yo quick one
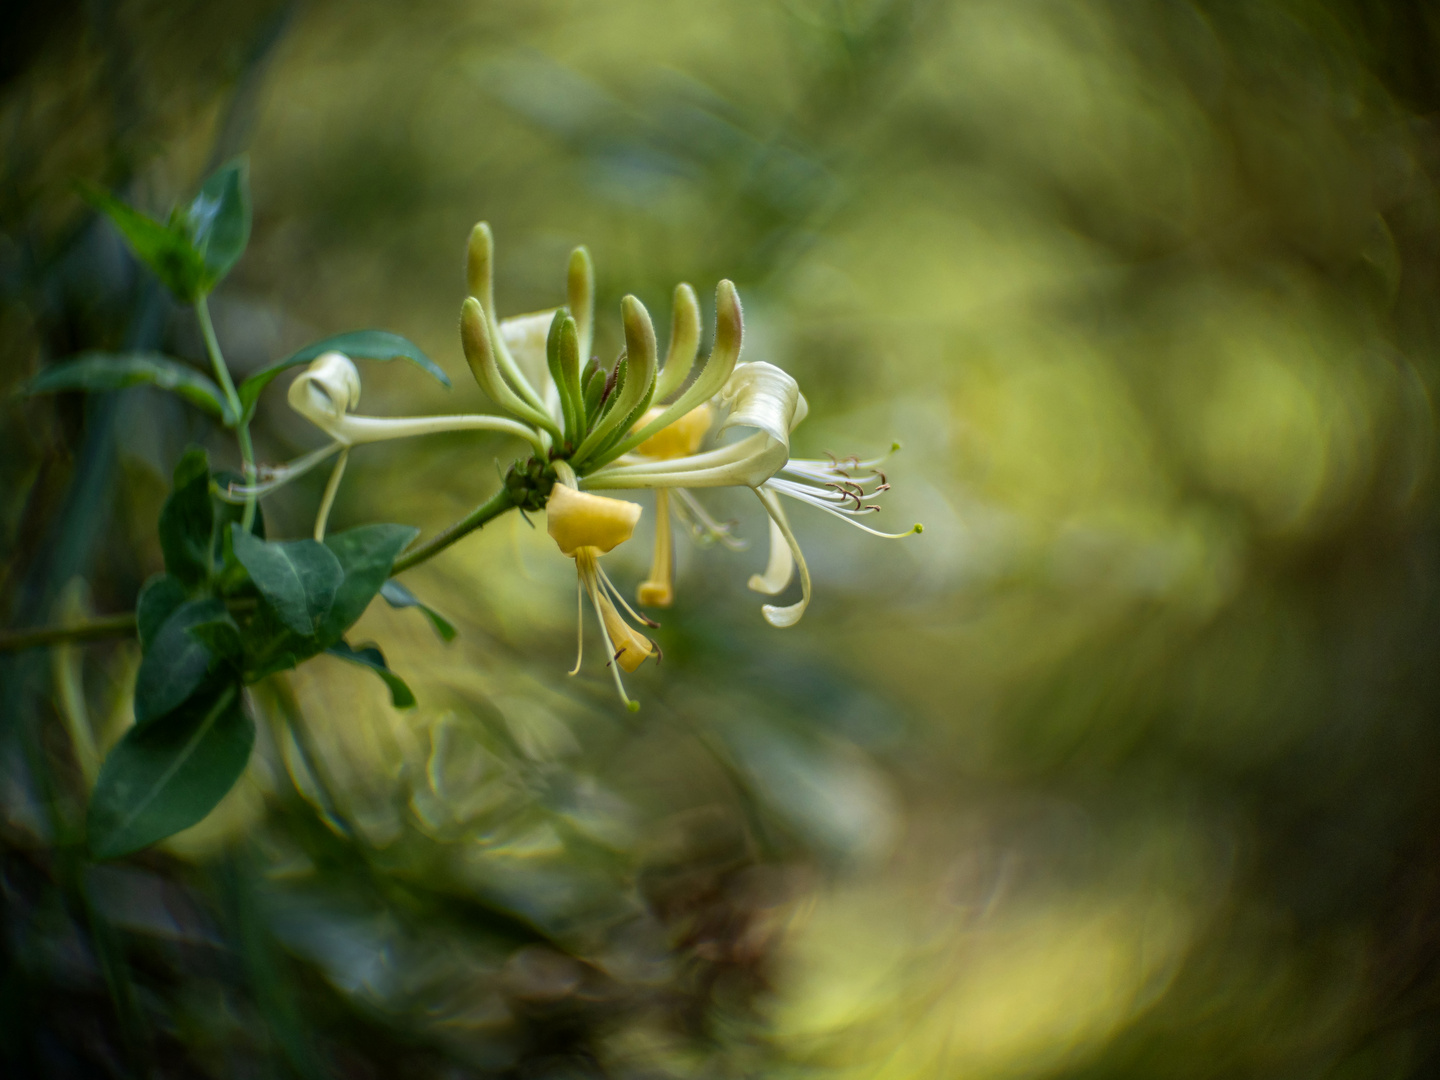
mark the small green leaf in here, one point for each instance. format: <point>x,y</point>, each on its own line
<point>165,248</point>
<point>297,578</point>
<point>179,665</point>
<point>187,535</point>
<point>116,371</point>
<point>364,344</point>
<point>398,596</point>
<point>218,221</point>
<point>366,553</point>
<point>371,657</point>
<point>159,598</point>
<point>166,777</point>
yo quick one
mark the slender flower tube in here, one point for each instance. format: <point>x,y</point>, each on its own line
<point>584,527</point>
<point>678,439</point>
<point>325,393</point>
<point>329,388</point>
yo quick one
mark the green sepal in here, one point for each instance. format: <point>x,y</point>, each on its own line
<point>562,356</point>
<point>624,429</point>
<point>167,776</point>
<point>594,388</point>
<point>362,344</point>
<point>99,371</point>
<point>369,656</point>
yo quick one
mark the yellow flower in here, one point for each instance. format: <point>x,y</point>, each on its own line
<point>678,439</point>
<point>584,527</point>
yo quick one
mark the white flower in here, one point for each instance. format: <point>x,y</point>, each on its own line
<point>765,398</point>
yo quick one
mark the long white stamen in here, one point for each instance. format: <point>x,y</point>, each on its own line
<point>846,516</point>
<point>702,525</point>
<point>579,625</point>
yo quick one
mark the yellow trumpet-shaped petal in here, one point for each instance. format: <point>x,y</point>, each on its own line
<point>658,590</point>
<point>577,519</point>
<point>632,648</point>
<point>679,439</point>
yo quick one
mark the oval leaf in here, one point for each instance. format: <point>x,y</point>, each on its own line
<point>366,553</point>
<point>364,344</point>
<point>187,523</point>
<point>178,664</point>
<point>218,221</point>
<point>298,579</point>
<point>159,598</point>
<point>166,777</point>
<point>116,371</point>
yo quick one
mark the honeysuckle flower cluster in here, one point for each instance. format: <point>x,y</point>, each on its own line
<point>636,424</point>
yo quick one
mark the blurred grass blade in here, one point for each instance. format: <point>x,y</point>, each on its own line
<point>116,371</point>
<point>365,344</point>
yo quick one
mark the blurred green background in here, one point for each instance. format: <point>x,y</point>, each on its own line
<point>1125,768</point>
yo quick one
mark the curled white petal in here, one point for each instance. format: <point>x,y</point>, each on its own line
<point>774,614</point>
<point>759,396</point>
<point>779,569</point>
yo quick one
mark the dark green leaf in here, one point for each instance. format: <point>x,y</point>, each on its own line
<point>178,665</point>
<point>297,578</point>
<point>218,221</point>
<point>187,523</point>
<point>366,553</point>
<point>271,646</point>
<point>159,598</point>
<point>398,596</point>
<point>371,657</point>
<point>116,371</point>
<point>221,636</point>
<point>165,248</point>
<point>365,344</point>
<point>166,777</point>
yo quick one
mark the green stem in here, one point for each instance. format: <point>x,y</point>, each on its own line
<point>242,425</point>
<point>482,515</point>
<point>96,629</point>
<point>105,626</point>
